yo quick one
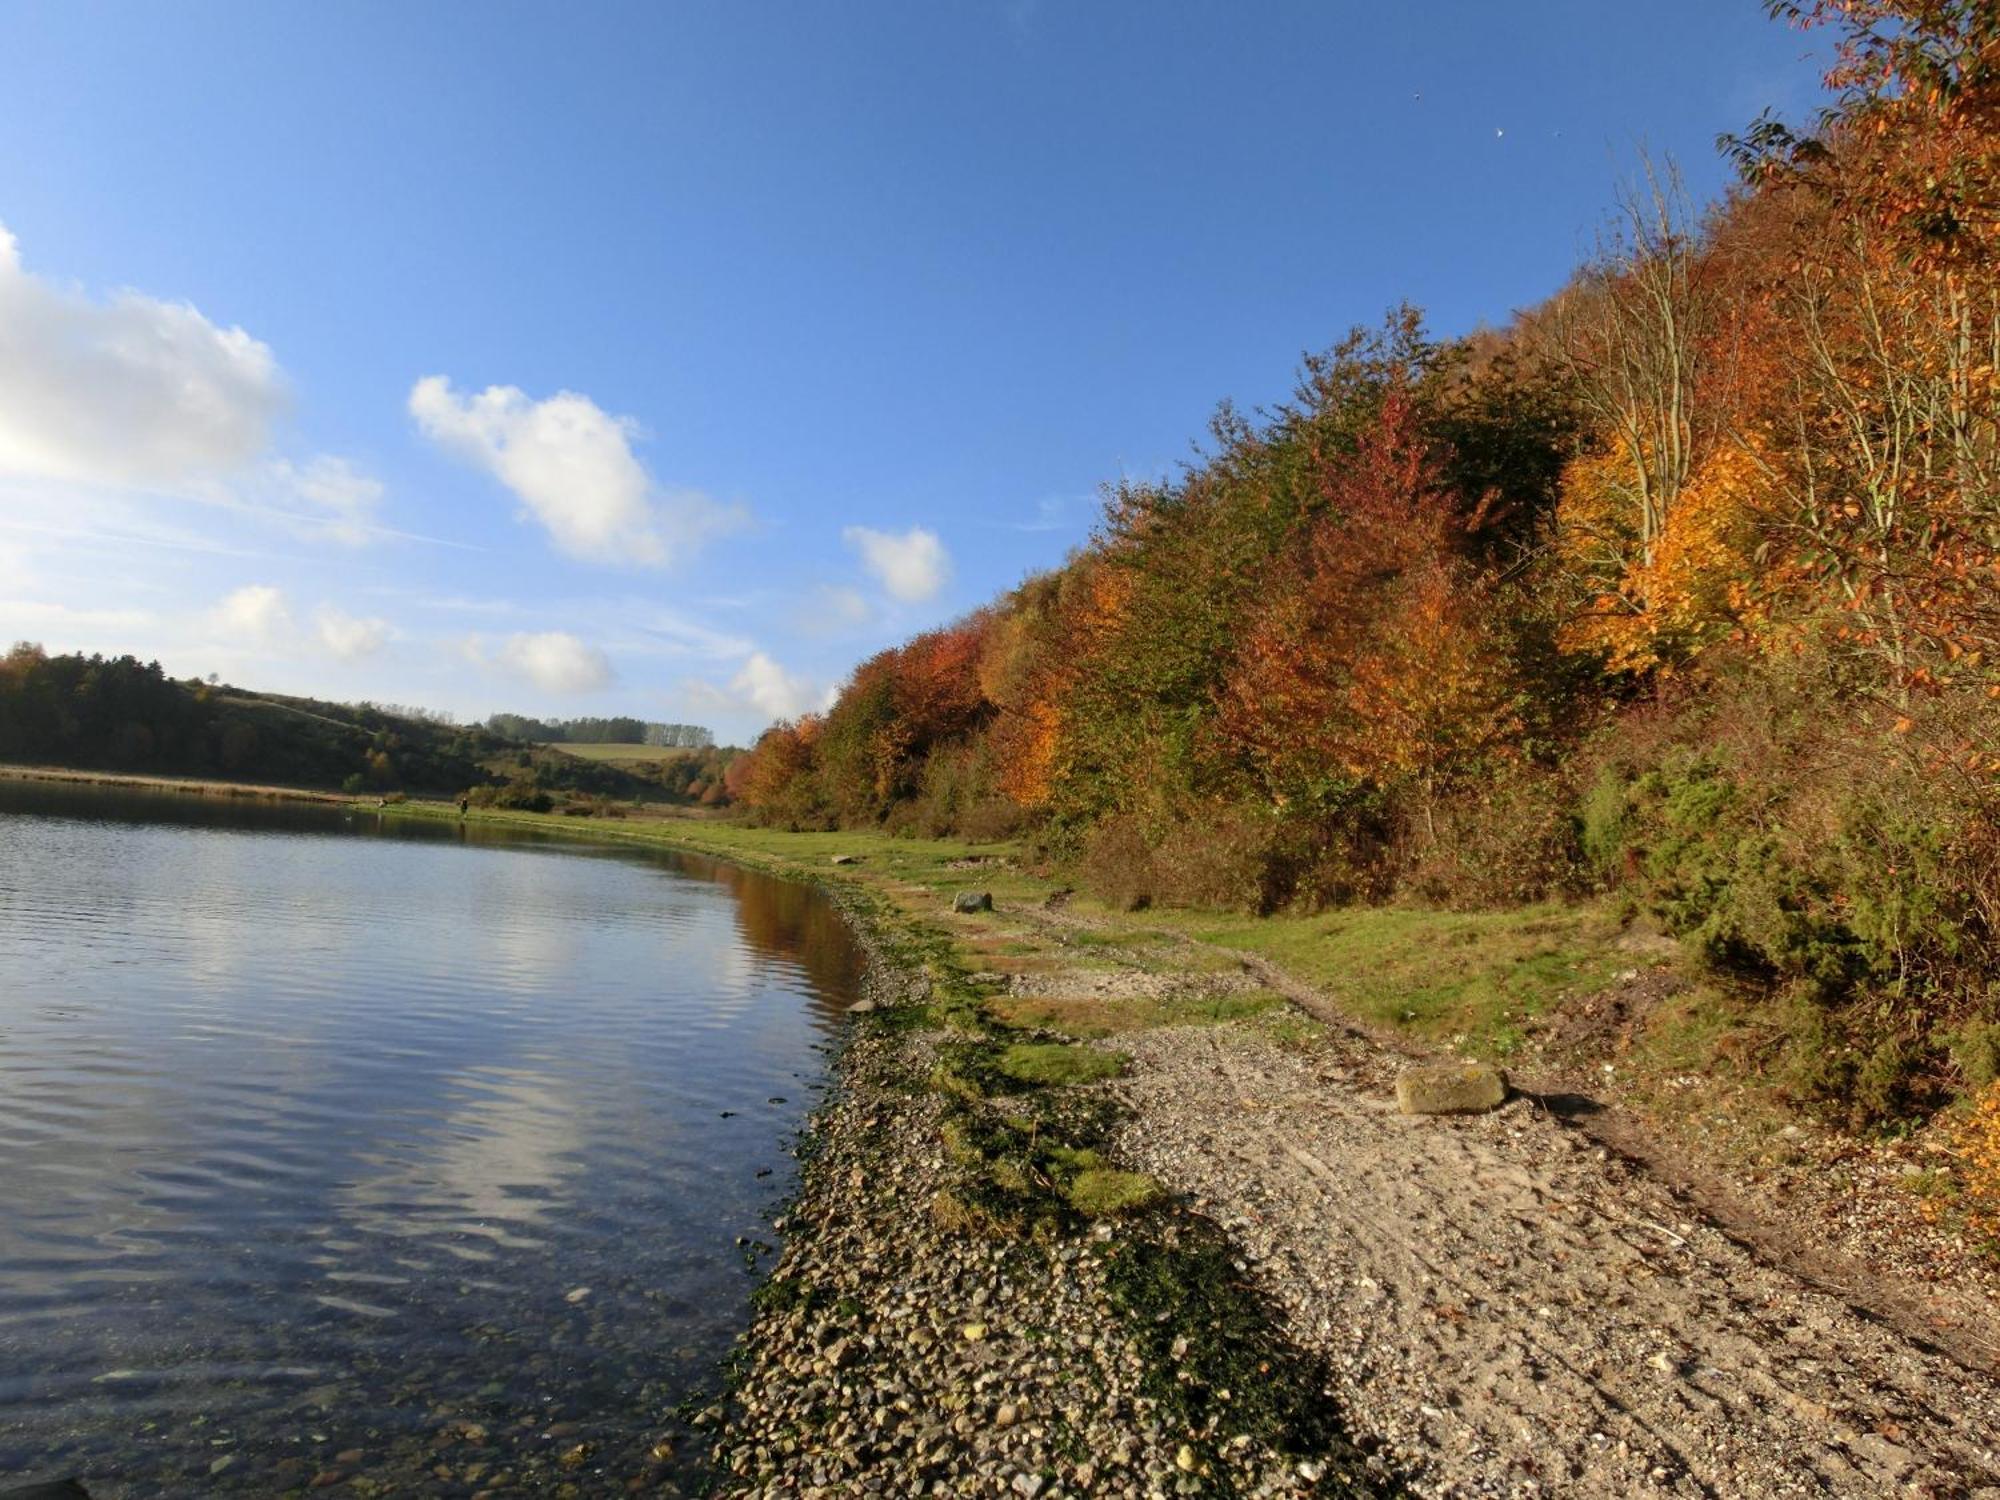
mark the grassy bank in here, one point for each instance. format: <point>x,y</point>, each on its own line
<point>188,785</point>
<point>1480,980</point>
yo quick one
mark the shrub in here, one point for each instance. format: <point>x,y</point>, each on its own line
<point>1975,1050</point>
<point>1219,857</point>
<point>1974,1143</point>
<point>1117,864</point>
<point>1510,841</point>
<point>521,794</point>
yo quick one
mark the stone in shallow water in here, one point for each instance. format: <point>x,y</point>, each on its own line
<point>1459,1088</point>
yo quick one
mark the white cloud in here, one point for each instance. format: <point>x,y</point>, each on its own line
<point>832,609</point>
<point>254,615</point>
<point>27,616</point>
<point>571,463</point>
<point>911,567</point>
<point>350,637</point>
<point>1052,513</point>
<point>770,689</point>
<point>761,687</point>
<point>341,500</point>
<point>127,391</point>
<point>556,661</point>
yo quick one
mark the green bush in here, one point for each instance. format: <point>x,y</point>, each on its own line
<point>1974,1047</point>
<point>522,794</point>
<point>1602,824</point>
<point>1832,867</point>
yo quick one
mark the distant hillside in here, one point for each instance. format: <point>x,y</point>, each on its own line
<point>122,714</point>
<point>119,713</point>
<point>612,731</point>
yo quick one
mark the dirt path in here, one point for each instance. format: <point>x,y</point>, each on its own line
<point>1514,1311</point>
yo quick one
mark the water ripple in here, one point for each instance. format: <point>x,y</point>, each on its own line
<point>312,1121</point>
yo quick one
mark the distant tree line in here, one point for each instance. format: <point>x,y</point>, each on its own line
<point>442,717</point>
<point>119,713</point>
<point>612,731</point>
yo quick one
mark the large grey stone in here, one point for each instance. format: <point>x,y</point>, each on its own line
<point>1457,1088</point>
<point>970,901</point>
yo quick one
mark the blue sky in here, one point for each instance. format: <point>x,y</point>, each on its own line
<point>668,359</point>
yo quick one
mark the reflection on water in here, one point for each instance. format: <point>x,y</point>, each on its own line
<point>409,1150</point>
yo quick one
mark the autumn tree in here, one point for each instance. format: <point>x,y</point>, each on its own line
<point>1362,654</point>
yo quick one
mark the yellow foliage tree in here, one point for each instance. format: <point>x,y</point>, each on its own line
<point>1654,604</point>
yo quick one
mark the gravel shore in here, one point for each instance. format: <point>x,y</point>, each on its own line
<point>898,1352</point>
<point>1332,1299</point>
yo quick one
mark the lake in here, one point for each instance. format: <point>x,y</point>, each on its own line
<point>433,1155</point>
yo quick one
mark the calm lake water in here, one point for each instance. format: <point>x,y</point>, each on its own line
<point>415,1151</point>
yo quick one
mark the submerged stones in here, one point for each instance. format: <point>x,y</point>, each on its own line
<point>1456,1088</point>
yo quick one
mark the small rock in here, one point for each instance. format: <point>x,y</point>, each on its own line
<point>973,1332</point>
<point>1458,1088</point>
<point>972,901</point>
<point>1185,1459</point>
<point>577,1295</point>
<point>847,859</point>
<point>862,1008</point>
<point>1007,1416</point>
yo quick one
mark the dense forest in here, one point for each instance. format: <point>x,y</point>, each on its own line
<point>121,714</point>
<point>1685,585</point>
<point>613,731</point>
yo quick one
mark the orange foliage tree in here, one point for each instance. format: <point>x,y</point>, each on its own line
<point>1372,660</point>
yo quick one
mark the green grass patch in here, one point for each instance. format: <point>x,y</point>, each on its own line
<point>1055,1064</point>
<point>616,753</point>
<point>1100,1192</point>
<point>1484,976</point>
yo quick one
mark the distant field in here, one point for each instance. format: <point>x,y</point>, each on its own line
<point>622,752</point>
